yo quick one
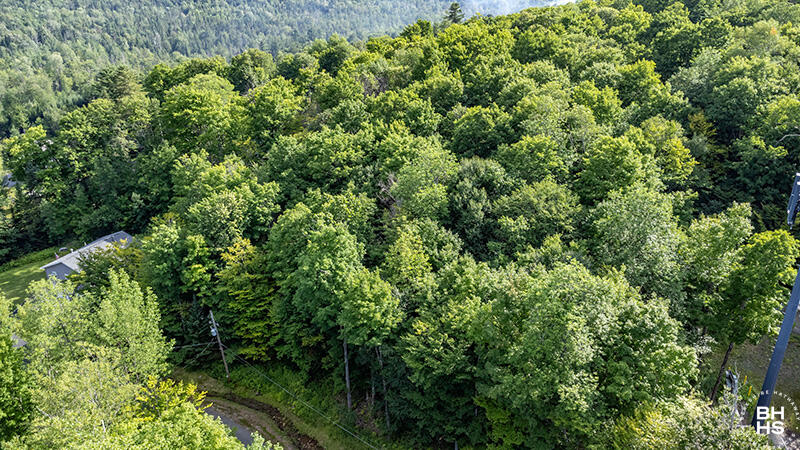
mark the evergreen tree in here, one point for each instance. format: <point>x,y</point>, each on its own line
<point>454,13</point>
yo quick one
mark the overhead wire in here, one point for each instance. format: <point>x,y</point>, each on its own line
<point>303,402</point>
<point>198,354</point>
<point>190,345</point>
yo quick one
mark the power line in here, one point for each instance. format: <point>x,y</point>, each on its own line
<point>198,354</point>
<point>306,404</point>
<point>190,345</point>
<point>215,333</point>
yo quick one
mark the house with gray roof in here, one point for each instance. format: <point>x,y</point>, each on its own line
<point>70,262</point>
<point>7,182</point>
<point>17,342</point>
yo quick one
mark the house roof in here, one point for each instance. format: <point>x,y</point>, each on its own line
<point>17,342</point>
<point>72,259</point>
<point>7,182</point>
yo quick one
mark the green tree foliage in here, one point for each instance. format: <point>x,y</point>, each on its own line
<point>183,426</point>
<point>472,199</point>
<point>316,256</point>
<point>604,103</point>
<point>461,43</point>
<point>738,296</point>
<point>16,407</point>
<point>662,140</point>
<point>331,54</point>
<point>250,293</point>
<point>93,157</point>
<point>683,423</point>
<point>712,251</point>
<point>736,280</point>
<point>675,38</point>
<point>421,187</point>
<point>510,231</point>
<point>60,324</point>
<point>407,108</point>
<point>273,110</point>
<point>636,229</point>
<point>204,113</point>
<point>15,397</point>
<point>611,164</point>
<point>369,311</point>
<point>408,267</point>
<point>128,321</point>
<point>330,160</point>
<point>480,131</point>
<point>454,13</point>
<point>46,73</point>
<point>441,357</point>
<point>250,69</point>
<point>96,266</point>
<point>533,159</point>
<point>93,361</point>
<point>530,214</point>
<point>549,376</point>
<point>757,289</point>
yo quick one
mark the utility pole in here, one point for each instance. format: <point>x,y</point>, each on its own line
<point>771,379</point>
<point>347,376</point>
<point>215,333</point>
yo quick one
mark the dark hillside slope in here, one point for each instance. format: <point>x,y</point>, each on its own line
<point>119,29</point>
<point>50,49</point>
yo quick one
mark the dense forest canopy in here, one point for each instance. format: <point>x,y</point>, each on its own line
<point>517,231</point>
<point>51,49</point>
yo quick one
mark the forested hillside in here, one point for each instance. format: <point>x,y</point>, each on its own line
<point>522,231</point>
<point>51,49</point>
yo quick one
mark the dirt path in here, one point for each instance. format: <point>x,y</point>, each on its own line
<point>264,418</point>
<point>248,415</point>
<point>242,433</point>
<point>246,420</point>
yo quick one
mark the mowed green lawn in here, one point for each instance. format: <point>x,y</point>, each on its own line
<point>14,282</point>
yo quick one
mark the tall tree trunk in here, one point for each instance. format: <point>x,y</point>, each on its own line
<point>719,374</point>
<point>701,358</point>
<point>383,379</point>
<point>372,384</point>
<point>347,376</point>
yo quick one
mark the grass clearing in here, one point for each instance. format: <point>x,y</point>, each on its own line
<point>14,281</point>
<point>16,275</point>
<point>751,361</point>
